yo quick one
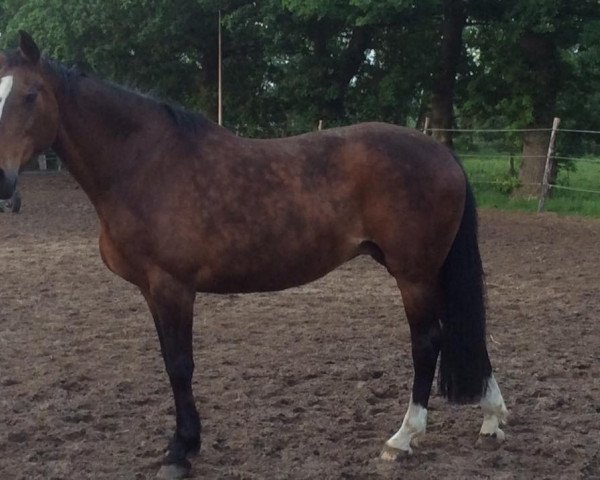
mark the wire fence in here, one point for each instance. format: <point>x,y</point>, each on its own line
<point>562,167</point>
<point>500,130</point>
<point>488,130</point>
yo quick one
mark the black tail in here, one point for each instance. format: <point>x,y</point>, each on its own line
<point>464,362</point>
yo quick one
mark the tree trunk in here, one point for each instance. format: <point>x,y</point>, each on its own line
<point>342,69</point>
<point>442,98</point>
<point>535,147</point>
<point>542,60</point>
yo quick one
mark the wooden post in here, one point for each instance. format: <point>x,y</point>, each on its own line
<point>549,165</point>
<point>320,126</point>
<point>220,100</point>
<point>42,164</point>
<point>426,126</point>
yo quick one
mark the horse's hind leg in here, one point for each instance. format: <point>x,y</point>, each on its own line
<point>171,305</point>
<point>421,305</point>
<point>494,414</point>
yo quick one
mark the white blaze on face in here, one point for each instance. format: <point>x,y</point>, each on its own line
<point>6,84</point>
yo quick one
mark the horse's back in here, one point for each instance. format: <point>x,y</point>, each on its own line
<point>398,153</point>
<point>397,163</point>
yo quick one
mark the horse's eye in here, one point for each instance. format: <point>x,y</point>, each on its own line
<point>30,97</point>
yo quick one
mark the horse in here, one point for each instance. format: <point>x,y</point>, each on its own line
<point>187,206</point>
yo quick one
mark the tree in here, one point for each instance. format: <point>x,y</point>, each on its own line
<point>521,72</point>
<point>453,22</point>
<point>159,46</point>
<point>289,63</point>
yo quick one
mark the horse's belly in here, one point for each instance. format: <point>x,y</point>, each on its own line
<point>264,273</point>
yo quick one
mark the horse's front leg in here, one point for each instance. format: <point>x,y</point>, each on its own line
<point>171,304</point>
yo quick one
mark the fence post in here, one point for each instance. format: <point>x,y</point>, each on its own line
<point>42,164</point>
<point>426,126</point>
<point>320,126</point>
<point>220,74</point>
<point>548,169</point>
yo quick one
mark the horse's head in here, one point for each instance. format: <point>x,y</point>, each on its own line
<point>28,111</point>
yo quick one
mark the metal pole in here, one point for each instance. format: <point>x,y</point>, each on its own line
<point>220,100</point>
<point>549,164</point>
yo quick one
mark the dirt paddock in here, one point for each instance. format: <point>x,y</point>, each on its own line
<point>302,384</point>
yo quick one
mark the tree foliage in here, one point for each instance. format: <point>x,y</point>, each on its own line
<point>290,63</point>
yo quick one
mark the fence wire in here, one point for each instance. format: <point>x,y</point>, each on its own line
<point>511,130</point>
<point>477,180</point>
<point>516,156</point>
<point>569,130</point>
<point>488,130</point>
<point>573,189</point>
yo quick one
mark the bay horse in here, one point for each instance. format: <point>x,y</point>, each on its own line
<point>186,206</point>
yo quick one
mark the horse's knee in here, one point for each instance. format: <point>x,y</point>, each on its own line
<point>180,367</point>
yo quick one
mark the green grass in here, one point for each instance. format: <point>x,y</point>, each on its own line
<point>493,183</point>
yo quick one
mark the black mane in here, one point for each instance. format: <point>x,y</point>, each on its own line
<point>70,77</point>
<point>190,122</point>
<point>14,58</point>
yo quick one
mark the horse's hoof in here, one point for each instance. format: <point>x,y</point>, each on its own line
<point>173,472</point>
<point>391,454</point>
<point>490,441</point>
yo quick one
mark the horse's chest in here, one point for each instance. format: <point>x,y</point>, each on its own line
<point>119,261</point>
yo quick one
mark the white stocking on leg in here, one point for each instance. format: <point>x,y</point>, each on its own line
<point>494,412</point>
<point>413,426</point>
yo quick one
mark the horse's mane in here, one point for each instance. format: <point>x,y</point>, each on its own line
<point>13,58</point>
<point>187,122</point>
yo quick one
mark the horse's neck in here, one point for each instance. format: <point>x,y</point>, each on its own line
<point>96,134</point>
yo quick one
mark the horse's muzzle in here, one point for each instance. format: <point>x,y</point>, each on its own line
<point>8,183</point>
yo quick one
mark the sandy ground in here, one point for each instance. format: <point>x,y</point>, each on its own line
<point>302,384</point>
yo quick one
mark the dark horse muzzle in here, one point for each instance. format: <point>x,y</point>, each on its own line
<point>8,183</point>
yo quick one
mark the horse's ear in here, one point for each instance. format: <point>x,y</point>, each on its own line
<point>29,50</point>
